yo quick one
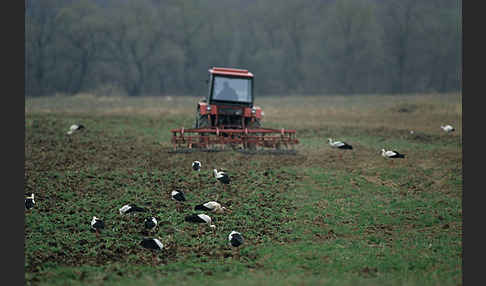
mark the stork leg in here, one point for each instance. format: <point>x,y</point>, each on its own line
<point>199,230</point>
<point>154,260</point>
<point>228,188</point>
<point>236,253</point>
<point>199,180</point>
<point>220,194</point>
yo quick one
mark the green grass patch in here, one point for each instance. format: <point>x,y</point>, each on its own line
<point>316,218</point>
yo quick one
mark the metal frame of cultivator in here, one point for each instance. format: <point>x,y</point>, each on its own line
<point>259,140</point>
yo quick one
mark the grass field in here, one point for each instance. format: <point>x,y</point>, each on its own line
<point>307,219</point>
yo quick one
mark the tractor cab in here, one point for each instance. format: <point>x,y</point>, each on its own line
<point>230,101</point>
<point>230,86</point>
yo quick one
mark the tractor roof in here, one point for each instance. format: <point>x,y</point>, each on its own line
<point>231,72</point>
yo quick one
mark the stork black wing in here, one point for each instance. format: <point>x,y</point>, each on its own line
<point>194,218</point>
<point>398,155</point>
<point>346,146</point>
<point>180,197</point>
<point>201,207</point>
<point>149,243</point>
<point>134,208</point>
<point>29,203</point>
<point>99,224</point>
<point>149,223</point>
<point>225,179</point>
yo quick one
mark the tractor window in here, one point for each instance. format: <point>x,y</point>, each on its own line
<point>232,89</point>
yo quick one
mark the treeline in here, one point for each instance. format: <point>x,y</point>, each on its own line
<point>150,47</point>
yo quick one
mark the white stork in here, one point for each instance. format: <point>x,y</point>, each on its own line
<point>210,207</point>
<point>235,240</point>
<point>200,218</point>
<point>29,201</point>
<point>97,225</point>
<point>150,223</point>
<point>339,145</point>
<point>178,196</point>
<point>447,128</point>
<point>392,154</point>
<point>74,128</point>
<point>153,244</point>
<point>196,166</point>
<point>222,177</point>
<point>131,208</point>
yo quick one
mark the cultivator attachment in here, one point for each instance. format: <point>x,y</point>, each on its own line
<point>260,140</point>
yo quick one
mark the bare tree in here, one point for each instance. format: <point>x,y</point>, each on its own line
<point>40,32</point>
<point>81,33</point>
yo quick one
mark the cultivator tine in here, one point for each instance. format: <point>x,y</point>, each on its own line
<point>250,141</point>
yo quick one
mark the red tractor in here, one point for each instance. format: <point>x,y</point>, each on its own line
<point>227,117</point>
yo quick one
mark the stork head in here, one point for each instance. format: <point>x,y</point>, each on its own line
<point>212,226</point>
<point>215,172</point>
<point>220,210</point>
<point>329,140</point>
<point>226,210</point>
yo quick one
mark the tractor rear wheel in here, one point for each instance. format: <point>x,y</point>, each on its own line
<point>253,125</point>
<point>202,121</point>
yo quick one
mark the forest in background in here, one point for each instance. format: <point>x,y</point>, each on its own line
<point>159,47</point>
